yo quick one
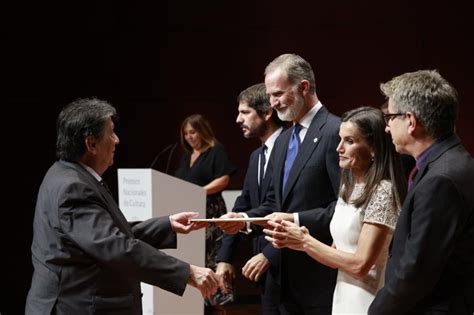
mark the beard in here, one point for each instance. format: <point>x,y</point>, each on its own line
<point>255,132</point>
<point>291,112</point>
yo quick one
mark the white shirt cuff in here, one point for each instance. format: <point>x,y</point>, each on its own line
<point>296,218</point>
<point>247,230</point>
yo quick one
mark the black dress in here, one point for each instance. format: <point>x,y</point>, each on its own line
<point>208,166</point>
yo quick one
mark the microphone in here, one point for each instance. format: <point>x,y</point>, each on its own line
<point>168,147</point>
<point>169,157</point>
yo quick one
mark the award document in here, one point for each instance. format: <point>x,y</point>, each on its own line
<point>216,220</point>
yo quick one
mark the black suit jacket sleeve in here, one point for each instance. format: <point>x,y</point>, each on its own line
<point>155,231</point>
<point>271,253</point>
<point>317,220</point>
<point>227,249</point>
<point>242,203</point>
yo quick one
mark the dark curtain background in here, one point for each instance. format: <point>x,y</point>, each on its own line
<point>159,62</point>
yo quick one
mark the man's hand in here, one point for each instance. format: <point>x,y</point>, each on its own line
<point>231,227</point>
<point>275,217</point>
<point>203,279</point>
<point>255,267</point>
<point>280,216</point>
<point>226,274</point>
<point>180,222</point>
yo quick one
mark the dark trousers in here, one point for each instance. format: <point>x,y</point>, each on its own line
<point>270,296</point>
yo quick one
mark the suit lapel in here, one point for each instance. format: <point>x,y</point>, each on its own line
<point>112,206</point>
<point>278,158</point>
<point>114,210</point>
<point>264,185</point>
<point>309,144</point>
<point>253,182</point>
<point>447,145</point>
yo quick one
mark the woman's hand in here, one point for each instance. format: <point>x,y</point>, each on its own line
<point>287,234</point>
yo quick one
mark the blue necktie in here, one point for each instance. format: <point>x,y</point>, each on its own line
<point>292,151</point>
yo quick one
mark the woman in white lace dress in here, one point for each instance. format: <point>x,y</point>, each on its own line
<point>371,193</point>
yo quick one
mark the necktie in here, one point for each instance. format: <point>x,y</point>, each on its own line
<point>262,165</point>
<point>411,176</point>
<point>291,153</point>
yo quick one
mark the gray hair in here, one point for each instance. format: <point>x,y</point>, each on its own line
<point>296,69</point>
<point>77,120</point>
<point>429,96</point>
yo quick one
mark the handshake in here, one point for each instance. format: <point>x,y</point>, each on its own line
<point>203,279</point>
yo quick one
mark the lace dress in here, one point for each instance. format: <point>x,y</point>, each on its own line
<point>351,295</point>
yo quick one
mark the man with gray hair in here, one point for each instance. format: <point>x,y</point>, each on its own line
<point>305,172</point>
<point>430,268</point>
<point>87,258</point>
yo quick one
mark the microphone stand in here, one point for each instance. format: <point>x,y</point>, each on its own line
<point>169,157</point>
<point>161,153</point>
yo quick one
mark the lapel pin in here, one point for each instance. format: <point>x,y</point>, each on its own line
<point>315,140</point>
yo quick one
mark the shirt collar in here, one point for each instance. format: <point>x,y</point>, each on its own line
<point>308,118</point>
<point>271,140</point>
<point>91,171</point>
<point>423,157</point>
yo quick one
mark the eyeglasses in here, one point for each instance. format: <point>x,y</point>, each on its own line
<point>389,117</point>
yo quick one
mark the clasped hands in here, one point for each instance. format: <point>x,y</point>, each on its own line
<point>287,234</point>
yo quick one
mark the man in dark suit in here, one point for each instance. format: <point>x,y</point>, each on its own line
<point>87,258</point>
<point>257,120</point>
<point>305,173</point>
<point>430,268</point>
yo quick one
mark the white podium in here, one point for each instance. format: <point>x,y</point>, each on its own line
<point>146,193</point>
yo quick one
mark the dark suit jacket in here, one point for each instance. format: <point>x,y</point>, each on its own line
<point>312,183</point>
<point>251,197</point>
<point>87,258</point>
<point>431,261</point>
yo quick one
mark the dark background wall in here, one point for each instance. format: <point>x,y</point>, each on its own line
<point>158,63</point>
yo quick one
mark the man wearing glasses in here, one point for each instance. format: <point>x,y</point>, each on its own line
<point>408,162</point>
<point>389,117</point>
<point>430,268</point>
